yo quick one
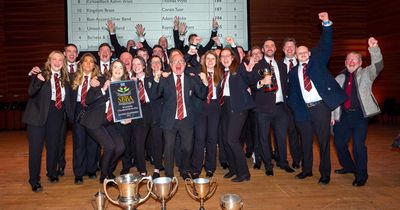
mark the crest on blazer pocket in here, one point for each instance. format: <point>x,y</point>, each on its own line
<point>190,92</point>
<point>149,83</point>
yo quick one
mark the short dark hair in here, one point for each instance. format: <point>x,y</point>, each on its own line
<point>104,44</point>
<point>70,45</point>
<point>289,39</point>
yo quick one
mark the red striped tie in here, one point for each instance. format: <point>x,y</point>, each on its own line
<point>179,97</point>
<point>141,92</point>
<point>109,115</point>
<point>307,81</point>
<point>105,68</point>
<point>347,103</point>
<point>291,65</point>
<point>58,92</point>
<point>221,94</point>
<point>210,87</point>
<point>71,68</point>
<point>84,91</point>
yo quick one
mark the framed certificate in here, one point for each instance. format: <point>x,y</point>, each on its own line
<point>124,99</point>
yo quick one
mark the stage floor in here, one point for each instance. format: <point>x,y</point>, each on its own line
<point>282,191</point>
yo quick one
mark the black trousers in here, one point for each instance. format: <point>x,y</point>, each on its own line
<point>85,149</point>
<point>294,138</point>
<point>128,157</point>
<point>319,124</point>
<point>50,134</point>
<point>61,146</point>
<point>278,121</point>
<point>185,132</point>
<point>109,138</point>
<point>232,124</point>
<point>141,129</point>
<point>206,137</point>
<point>352,125</point>
<point>157,144</point>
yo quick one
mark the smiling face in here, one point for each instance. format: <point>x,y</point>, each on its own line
<point>156,64</point>
<point>56,61</point>
<point>177,64</point>
<point>211,61</point>
<point>256,54</point>
<point>127,59</point>
<point>163,42</point>
<point>289,49</point>
<point>302,54</point>
<point>269,48</point>
<point>226,58</point>
<point>353,61</point>
<point>87,63</point>
<point>138,66</point>
<point>71,53</point>
<point>117,70</point>
<point>105,54</point>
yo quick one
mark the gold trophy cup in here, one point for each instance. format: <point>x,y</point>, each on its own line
<point>269,72</point>
<point>201,189</point>
<point>231,202</point>
<point>128,187</point>
<point>163,189</point>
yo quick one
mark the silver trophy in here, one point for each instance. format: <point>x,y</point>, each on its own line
<point>128,187</point>
<point>231,202</point>
<point>164,188</point>
<point>201,189</point>
<point>99,201</point>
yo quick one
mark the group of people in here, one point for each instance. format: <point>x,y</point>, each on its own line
<point>199,101</point>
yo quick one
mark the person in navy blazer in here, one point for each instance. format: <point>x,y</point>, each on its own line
<point>44,116</point>
<point>97,124</point>
<point>85,149</point>
<point>207,117</point>
<point>171,122</point>
<point>312,100</point>
<point>235,101</point>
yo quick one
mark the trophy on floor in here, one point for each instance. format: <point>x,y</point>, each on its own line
<point>128,187</point>
<point>269,72</point>
<point>163,189</point>
<point>99,201</point>
<point>201,189</point>
<point>231,202</point>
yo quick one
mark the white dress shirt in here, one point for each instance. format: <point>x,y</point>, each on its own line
<point>308,96</point>
<point>53,86</point>
<point>183,95</point>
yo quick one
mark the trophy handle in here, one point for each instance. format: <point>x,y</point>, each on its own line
<point>149,187</point>
<point>174,180</point>
<point>213,187</point>
<point>106,181</point>
<point>188,181</point>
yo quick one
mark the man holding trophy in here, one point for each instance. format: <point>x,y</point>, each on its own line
<point>270,106</point>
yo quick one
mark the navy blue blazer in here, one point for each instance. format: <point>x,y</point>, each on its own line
<point>155,103</point>
<point>317,70</point>
<point>240,98</point>
<point>95,115</point>
<point>37,108</point>
<point>166,88</point>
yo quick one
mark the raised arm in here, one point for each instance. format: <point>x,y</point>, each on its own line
<point>376,59</point>
<point>324,46</point>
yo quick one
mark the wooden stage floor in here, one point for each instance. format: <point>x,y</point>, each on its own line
<point>281,191</point>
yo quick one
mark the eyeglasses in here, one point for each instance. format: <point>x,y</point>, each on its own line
<point>178,62</point>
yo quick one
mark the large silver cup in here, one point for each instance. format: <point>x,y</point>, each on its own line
<point>164,188</point>
<point>231,202</point>
<point>201,189</point>
<point>99,201</point>
<point>128,187</point>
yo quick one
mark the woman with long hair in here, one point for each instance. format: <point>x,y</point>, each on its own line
<point>48,104</point>
<point>85,149</point>
<point>98,120</point>
<point>206,115</point>
<point>235,102</point>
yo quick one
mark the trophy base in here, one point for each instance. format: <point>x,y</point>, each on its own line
<point>270,89</point>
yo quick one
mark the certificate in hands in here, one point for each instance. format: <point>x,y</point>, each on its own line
<point>125,100</point>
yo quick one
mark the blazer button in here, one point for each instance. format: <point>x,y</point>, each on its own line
<point>329,88</point>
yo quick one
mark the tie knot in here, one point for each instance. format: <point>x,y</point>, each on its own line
<point>71,65</point>
<point>179,76</point>
<point>105,65</point>
<point>56,75</point>
<point>86,77</point>
<point>291,60</point>
<point>210,74</point>
<point>304,65</point>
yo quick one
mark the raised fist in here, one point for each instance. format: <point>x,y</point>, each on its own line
<point>372,42</point>
<point>323,16</point>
